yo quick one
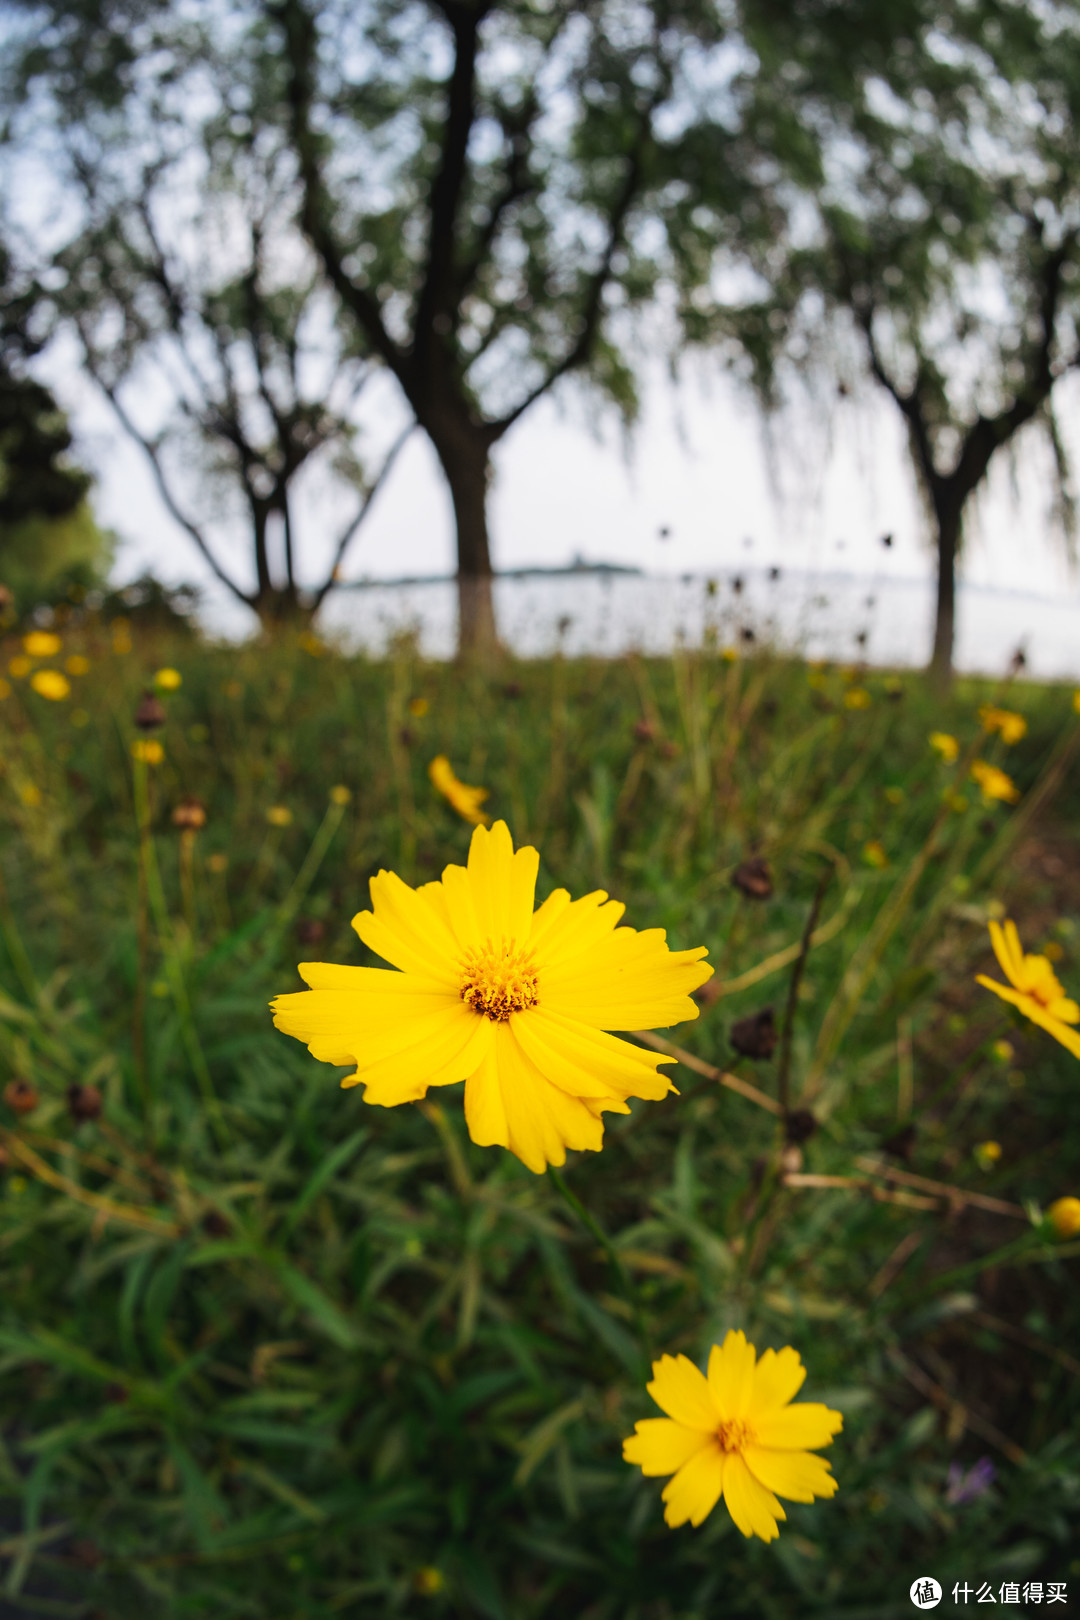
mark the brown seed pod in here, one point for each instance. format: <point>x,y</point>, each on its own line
<point>755,1037</point>
<point>84,1102</point>
<point>150,712</point>
<point>799,1125</point>
<point>215,1224</point>
<point>189,815</point>
<point>754,878</point>
<point>901,1143</point>
<point>20,1096</point>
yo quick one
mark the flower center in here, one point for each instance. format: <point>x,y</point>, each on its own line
<point>735,1435</point>
<point>499,980</point>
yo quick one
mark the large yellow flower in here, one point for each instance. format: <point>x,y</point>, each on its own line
<point>734,1434</point>
<point>514,1002</point>
<point>1035,988</point>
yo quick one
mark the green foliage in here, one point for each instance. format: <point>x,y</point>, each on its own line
<point>265,1350</point>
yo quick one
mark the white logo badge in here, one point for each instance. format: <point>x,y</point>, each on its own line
<point>925,1592</point>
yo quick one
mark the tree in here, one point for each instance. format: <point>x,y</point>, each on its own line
<point>199,310</point>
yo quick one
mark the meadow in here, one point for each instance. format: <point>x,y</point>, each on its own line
<point>268,1351</point>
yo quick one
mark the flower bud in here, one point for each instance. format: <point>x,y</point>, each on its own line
<point>20,1096</point>
<point>84,1102</point>
<point>150,712</point>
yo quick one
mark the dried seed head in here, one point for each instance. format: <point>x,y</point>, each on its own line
<point>799,1125</point>
<point>215,1224</point>
<point>189,814</point>
<point>753,878</point>
<point>755,1037</point>
<point>150,712</point>
<point>84,1102</point>
<point>20,1096</point>
<point>900,1144</point>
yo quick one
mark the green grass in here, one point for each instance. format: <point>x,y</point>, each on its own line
<point>267,1351</point>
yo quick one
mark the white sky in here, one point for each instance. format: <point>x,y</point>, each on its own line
<point>697,464</point>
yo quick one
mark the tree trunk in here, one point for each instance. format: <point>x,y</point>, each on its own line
<point>948,545</point>
<point>467,470</point>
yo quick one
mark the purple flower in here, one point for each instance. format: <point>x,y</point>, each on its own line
<point>965,1487</point>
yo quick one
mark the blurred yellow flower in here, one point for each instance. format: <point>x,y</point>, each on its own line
<point>857,697</point>
<point>5,689</point>
<point>312,645</point>
<point>987,1154</point>
<point>217,862</point>
<point>516,1003</point>
<point>465,800</point>
<point>874,854</point>
<point>1076,700</point>
<point>895,795</point>
<point>1011,727</point>
<point>1004,1051</point>
<point>77,664</point>
<point>995,784</point>
<point>340,794</point>
<point>734,1434</point>
<point>1034,988</point>
<point>428,1581</point>
<point>1064,1217</point>
<point>279,815</point>
<point>41,644</point>
<point>419,706</point>
<point>729,655</point>
<point>947,746</point>
<point>19,666</point>
<point>148,750</point>
<point>168,680</point>
<point>30,794</point>
<point>49,683</point>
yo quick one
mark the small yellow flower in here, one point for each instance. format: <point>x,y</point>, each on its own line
<point>994,783</point>
<point>279,815</point>
<point>729,655</point>
<point>168,680</point>
<point>518,1004</point>
<point>735,1434</point>
<point>148,750</point>
<point>946,746</point>
<point>312,645</point>
<point>77,664</point>
<point>1004,1051</point>
<point>1010,727</point>
<point>30,794</point>
<point>987,1154</point>
<point>41,644</point>
<point>49,683</point>
<point>419,706</point>
<point>340,795</point>
<point>19,666</point>
<point>121,644</point>
<point>857,697</point>
<point>1034,988</point>
<point>465,800</point>
<point>894,795</point>
<point>874,854</point>
<point>428,1581</point>
<point>1076,700</point>
<point>1064,1217</point>
<point>5,689</point>
<point>217,862</point>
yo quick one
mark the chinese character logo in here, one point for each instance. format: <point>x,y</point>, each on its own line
<point>925,1592</point>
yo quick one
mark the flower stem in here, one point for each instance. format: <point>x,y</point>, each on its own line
<point>622,1276</point>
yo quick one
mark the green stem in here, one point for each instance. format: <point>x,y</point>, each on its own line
<point>592,1225</point>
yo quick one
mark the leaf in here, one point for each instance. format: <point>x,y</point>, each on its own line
<point>325,1173</point>
<point>543,1438</point>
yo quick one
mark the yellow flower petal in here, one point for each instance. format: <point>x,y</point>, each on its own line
<point>564,930</point>
<point>662,1446</point>
<point>485,1112</point>
<point>778,1378</point>
<point>798,1475</point>
<point>406,929</point>
<point>695,1490</point>
<point>754,1509</point>
<point>731,1375</point>
<point>681,1390</point>
<point>629,981</point>
<point>802,1427</point>
<point>543,1121</point>
<point>589,1062</point>
<point>503,883</point>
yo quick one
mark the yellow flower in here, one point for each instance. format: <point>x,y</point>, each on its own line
<point>19,666</point>
<point>1035,989</point>
<point>857,697</point>
<point>312,645</point>
<point>987,1154</point>
<point>947,746</point>
<point>121,643</point>
<point>1010,726</point>
<point>895,795</point>
<point>340,794</point>
<point>49,683</point>
<point>279,815</point>
<point>465,800</point>
<point>77,664</point>
<point>1004,1051</point>
<point>1064,1217</point>
<point>167,680</point>
<point>148,749</point>
<point>41,644</point>
<point>217,862</point>
<point>514,1002</point>
<point>729,655</point>
<point>994,783</point>
<point>418,706</point>
<point>30,794</point>
<point>734,1434</point>
<point>874,854</point>
<point>1076,700</point>
<point>428,1581</point>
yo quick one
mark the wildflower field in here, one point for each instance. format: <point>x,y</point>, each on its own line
<point>268,1349</point>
